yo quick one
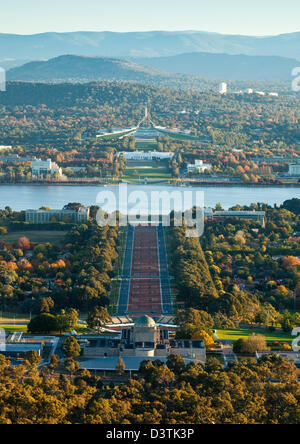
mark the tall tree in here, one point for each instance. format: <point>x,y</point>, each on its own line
<point>98,318</point>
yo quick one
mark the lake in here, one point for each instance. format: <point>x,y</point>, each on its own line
<point>22,197</point>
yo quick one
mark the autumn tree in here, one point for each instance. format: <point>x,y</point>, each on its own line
<point>71,347</point>
<point>120,368</point>
<point>98,318</point>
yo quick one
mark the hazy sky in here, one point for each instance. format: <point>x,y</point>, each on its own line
<point>252,17</point>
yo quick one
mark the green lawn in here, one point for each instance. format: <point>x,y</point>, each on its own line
<point>138,173</point>
<point>147,169</point>
<point>114,296</point>
<point>9,318</point>
<point>54,237</point>
<point>150,173</point>
<point>234,335</point>
<point>16,328</point>
<point>181,136</point>
<point>146,145</point>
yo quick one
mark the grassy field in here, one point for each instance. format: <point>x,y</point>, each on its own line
<point>114,296</point>
<point>146,145</point>
<point>11,317</point>
<point>54,237</point>
<point>80,329</point>
<point>150,170</point>
<point>15,328</point>
<point>149,173</point>
<point>181,136</point>
<point>234,335</point>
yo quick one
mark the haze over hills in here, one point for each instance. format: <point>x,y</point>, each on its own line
<point>142,44</point>
<point>161,69</point>
<point>79,68</point>
<point>227,67</point>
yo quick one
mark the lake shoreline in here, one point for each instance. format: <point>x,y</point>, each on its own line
<point>34,196</point>
<point>160,183</point>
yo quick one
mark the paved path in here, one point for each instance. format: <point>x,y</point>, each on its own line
<point>145,292</point>
<point>126,273</point>
<point>145,287</point>
<point>164,272</point>
<point>229,355</point>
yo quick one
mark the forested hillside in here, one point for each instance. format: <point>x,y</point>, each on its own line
<point>163,394</point>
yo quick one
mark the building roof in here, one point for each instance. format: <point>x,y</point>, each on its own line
<point>22,347</point>
<point>131,363</point>
<point>145,321</point>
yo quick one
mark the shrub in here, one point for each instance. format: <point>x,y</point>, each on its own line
<point>250,345</point>
<point>44,323</point>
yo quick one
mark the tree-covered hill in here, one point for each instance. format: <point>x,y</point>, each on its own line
<point>75,68</point>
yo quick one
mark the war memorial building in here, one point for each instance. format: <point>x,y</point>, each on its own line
<point>145,340</point>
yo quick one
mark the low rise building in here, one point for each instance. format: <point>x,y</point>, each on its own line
<point>15,158</point>
<point>5,147</point>
<point>19,350</point>
<point>46,216</point>
<point>292,356</point>
<point>259,216</point>
<point>199,167</point>
<point>45,168</point>
<point>276,160</point>
<point>294,170</point>
<point>144,340</point>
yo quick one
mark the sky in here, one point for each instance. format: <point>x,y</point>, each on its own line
<point>248,17</point>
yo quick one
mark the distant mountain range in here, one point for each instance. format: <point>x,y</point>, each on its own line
<point>211,66</point>
<point>224,66</point>
<point>14,48</point>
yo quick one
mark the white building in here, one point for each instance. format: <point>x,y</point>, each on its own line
<point>150,155</point>
<point>249,91</point>
<point>259,216</point>
<point>223,88</point>
<point>46,216</point>
<point>4,147</point>
<point>273,94</point>
<point>199,167</point>
<point>45,167</point>
<point>294,170</point>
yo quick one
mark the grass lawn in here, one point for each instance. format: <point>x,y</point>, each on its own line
<point>114,296</point>
<point>15,328</point>
<point>181,136</point>
<point>146,145</point>
<point>149,173</point>
<point>148,169</point>
<point>9,318</point>
<point>54,237</point>
<point>234,335</point>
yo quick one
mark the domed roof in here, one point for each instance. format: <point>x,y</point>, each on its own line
<point>145,321</point>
